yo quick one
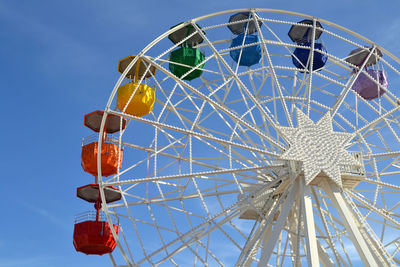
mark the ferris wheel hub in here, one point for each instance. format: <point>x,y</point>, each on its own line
<point>318,147</point>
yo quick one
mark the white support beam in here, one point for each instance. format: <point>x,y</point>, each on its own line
<point>287,206</point>
<point>292,237</point>
<point>335,194</point>
<point>324,257</point>
<point>251,246</point>
<point>309,225</point>
<point>264,237</point>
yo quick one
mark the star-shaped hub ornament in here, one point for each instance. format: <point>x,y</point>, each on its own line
<point>318,147</point>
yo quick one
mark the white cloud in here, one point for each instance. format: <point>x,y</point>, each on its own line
<point>47,215</point>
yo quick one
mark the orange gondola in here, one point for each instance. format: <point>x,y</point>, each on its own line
<point>110,153</point>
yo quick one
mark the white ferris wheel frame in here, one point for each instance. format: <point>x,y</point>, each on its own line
<point>371,254</point>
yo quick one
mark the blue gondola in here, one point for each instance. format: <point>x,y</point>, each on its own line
<point>250,55</point>
<point>300,56</point>
<point>301,33</point>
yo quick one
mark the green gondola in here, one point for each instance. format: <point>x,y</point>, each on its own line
<point>189,58</point>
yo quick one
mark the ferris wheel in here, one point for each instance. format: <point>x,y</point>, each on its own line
<point>255,137</point>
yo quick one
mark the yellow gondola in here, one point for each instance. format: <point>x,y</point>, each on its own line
<point>142,101</point>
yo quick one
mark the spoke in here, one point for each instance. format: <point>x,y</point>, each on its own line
<point>240,83</point>
<point>188,175</point>
<point>225,110</point>
<point>288,117</point>
<point>196,134</point>
<point>196,232</point>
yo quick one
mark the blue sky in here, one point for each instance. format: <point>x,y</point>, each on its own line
<point>58,62</point>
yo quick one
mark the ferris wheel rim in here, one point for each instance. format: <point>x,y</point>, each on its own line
<point>142,53</point>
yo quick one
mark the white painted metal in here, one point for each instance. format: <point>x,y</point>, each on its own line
<point>324,257</point>
<point>270,244</point>
<point>308,218</point>
<point>348,218</point>
<point>214,175</point>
